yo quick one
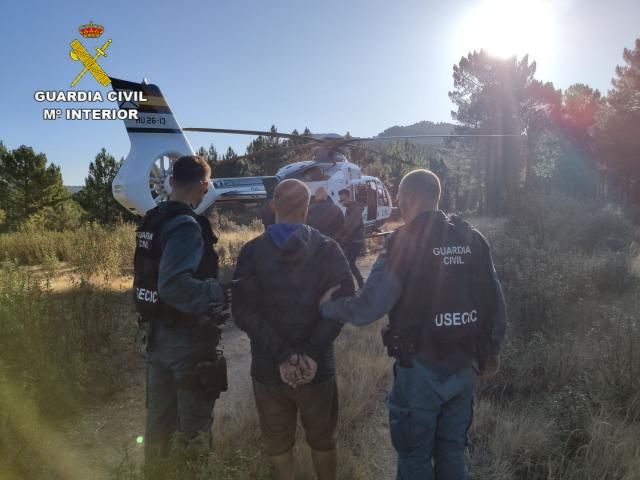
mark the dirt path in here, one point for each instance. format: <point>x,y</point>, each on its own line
<point>106,431</point>
<point>103,433</point>
<point>376,437</point>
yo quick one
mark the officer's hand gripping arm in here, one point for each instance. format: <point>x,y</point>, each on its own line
<point>374,300</point>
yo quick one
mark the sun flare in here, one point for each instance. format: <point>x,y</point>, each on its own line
<point>508,27</point>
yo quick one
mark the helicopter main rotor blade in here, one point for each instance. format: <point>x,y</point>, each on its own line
<point>337,143</point>
<point>452,135</point>
<point>291,136</point>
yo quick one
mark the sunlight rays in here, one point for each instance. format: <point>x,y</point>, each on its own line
<point>508,27</point>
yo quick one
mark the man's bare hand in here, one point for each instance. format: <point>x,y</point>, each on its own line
<point>290,372</point>
<point>308,369</point>
<point>491,367</point>
<point>298,370</point>
<point>326,297</point>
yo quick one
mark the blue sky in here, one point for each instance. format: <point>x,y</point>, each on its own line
<point>334,66</point>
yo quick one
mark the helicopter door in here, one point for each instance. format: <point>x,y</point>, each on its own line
<point>372,202</point>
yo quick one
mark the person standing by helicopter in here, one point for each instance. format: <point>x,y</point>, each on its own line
<point>179,300</point>
<point>447,320</point>
<point>280,276</point>
<point>351,236</point>
<point>324,215</point>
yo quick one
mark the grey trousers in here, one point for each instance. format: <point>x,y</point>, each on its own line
<point>172,408</point>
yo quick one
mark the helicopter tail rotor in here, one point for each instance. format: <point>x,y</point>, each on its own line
<point>157,141</point>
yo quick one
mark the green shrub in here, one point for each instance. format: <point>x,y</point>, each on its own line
<point>64,216</point>
<point>605,229</point>
<point>561,221</point>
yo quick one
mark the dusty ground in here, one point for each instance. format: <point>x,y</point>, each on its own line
<point>103,433</point>
<point>106,431</point>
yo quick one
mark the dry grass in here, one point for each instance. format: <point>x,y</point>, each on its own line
<point>58,352</point>
<point>363,378</point>
<point>98,255</point>
<point>90,248</point>
<point>507,443</point>
<point>524,443</point>
<point>232,238</point>
<point>566,404</point>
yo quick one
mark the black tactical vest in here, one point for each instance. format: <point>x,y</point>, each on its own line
<point>149,244</point>
<point>447,288</point>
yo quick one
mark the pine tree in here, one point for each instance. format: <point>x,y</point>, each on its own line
<point>230,166</point>
<point>96,197</point>
<point>28,184</point>
<point>491,96</point>
<point>575,171</point>
<point>544,103</point>
<point>618,127</point>
<point>263,161</point>
<point>303,149</point>
<point>230,154</point>
<point>212,154</point>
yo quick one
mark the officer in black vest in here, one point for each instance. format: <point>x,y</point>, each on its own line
<point>436,280</point>
<point>179,300</point>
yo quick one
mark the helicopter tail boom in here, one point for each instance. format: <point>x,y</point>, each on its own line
<point>156,141</point>
<point>244,189</point>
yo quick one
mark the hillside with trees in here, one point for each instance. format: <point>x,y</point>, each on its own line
<point>424,127</point>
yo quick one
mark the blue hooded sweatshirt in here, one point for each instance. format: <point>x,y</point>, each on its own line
<point>280,232</point>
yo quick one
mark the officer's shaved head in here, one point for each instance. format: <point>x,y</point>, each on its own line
<point>291,201</point>
<point>419,191</point>
<point>423,183</point>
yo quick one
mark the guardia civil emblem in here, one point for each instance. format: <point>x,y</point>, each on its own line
<point>79,53</point>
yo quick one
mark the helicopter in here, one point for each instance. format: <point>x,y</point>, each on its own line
<point>329,168</point>
<point>158,140</point>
